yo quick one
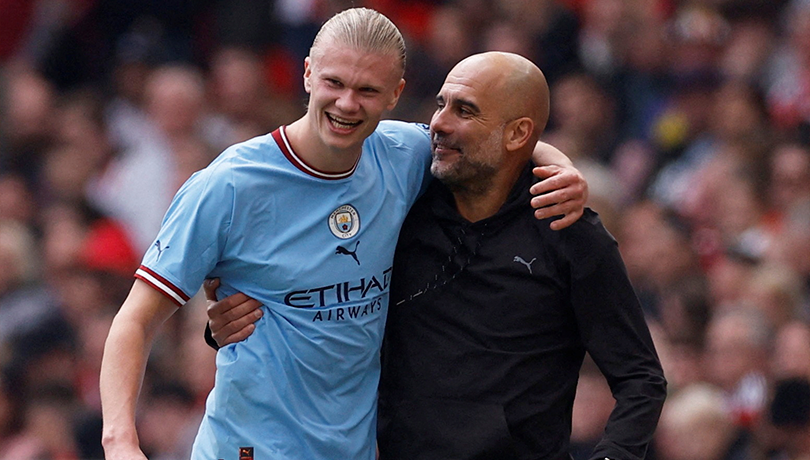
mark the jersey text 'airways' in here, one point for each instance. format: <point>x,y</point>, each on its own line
<point>346,313</point>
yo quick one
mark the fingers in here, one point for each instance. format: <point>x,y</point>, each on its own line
<point>236,323</point>
<point>544,172</point>
<point>566,220</point>
<point>566,199</point>
<point>232,308</point>
<point>561,192</point>
<point>559,209</point>
<point>210,287</point>
<point>555,178</point>
<point>223,338</point>
<point>556,204</point>
<point>230,319</point>
<point>221,307</point>
<point>546,183</point>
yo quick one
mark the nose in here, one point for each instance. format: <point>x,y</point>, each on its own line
<point>439,122</point>
<point>347,101</point>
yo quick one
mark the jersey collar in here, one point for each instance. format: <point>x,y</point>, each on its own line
<point>280,136</point>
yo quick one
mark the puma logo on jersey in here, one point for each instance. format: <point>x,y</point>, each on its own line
<point>159,249</point>
<point>527,264</point>
<point>344,251</point>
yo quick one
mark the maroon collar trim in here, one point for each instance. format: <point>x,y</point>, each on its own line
<point>280,136</point>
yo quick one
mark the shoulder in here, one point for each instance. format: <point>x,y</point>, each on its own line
<point>589,227</point>
<point>257,149</point>
<point>402,132</point>
<point>260,151</point>
<point>585,241</point>
<point>404,147</point>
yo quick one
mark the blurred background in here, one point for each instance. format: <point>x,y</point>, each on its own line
<point>690,120</point>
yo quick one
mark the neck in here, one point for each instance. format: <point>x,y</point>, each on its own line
<point>309,147</point>
<point>478,207</point>
<point>475,205</point>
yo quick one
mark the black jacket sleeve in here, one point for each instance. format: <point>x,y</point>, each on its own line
<point>615,333</point>
<point>209,338</point>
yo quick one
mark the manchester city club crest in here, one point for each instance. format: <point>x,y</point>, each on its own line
<point>344,222</point>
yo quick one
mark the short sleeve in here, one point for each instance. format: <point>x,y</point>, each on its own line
<point>192,236</point>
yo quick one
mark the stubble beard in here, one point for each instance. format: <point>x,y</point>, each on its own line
<point>474,171</point>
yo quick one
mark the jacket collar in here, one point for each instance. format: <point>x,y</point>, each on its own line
<point>443,204</point>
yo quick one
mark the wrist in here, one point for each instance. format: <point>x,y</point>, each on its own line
<point>119,440</point>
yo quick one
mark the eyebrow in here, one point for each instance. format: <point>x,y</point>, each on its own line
<point>329,76</point>
<point>461,102</point>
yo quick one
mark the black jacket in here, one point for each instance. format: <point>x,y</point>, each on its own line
<point>488,326</point>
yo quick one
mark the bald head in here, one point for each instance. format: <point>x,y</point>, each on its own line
<point>490,112</point>
<point>515,82</point>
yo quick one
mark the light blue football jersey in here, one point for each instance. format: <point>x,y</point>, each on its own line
<point>316,250</point>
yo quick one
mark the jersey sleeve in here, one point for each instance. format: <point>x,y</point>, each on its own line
<point>422,154</point>
<point>412,140</point>
<point>192,236</point>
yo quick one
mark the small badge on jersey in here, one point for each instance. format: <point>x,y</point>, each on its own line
<point>245,453</point>
<point>344,222</point>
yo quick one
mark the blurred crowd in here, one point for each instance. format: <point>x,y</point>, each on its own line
<point>689,118</point>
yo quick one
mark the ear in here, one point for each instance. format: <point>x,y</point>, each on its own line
<point>518,133</point>
<point>397,93</point>
<point>307,74</point>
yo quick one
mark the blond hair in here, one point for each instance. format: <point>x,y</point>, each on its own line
<point>362,29</point>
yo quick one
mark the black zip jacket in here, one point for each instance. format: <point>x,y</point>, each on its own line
<point>488,326</point>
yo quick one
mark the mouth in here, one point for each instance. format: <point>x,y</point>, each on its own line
<point>442,149</point>
<point>343,123</point>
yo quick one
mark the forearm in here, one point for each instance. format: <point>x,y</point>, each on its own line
<point>122,369</point>
<point>546,154</point>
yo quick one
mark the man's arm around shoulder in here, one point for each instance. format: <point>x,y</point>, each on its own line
<point>562,191</point>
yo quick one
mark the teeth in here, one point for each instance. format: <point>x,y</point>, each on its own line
<point>342,122</point>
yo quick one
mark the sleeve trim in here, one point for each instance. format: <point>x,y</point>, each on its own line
<point>160,283</point>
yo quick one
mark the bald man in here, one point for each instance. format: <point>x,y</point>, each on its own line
<point>280,219</point>
<point>491,312</point>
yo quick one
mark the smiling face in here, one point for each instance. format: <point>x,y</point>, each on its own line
<point>490,112</point>
<point>467,130</point>
<point>349,91</point>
